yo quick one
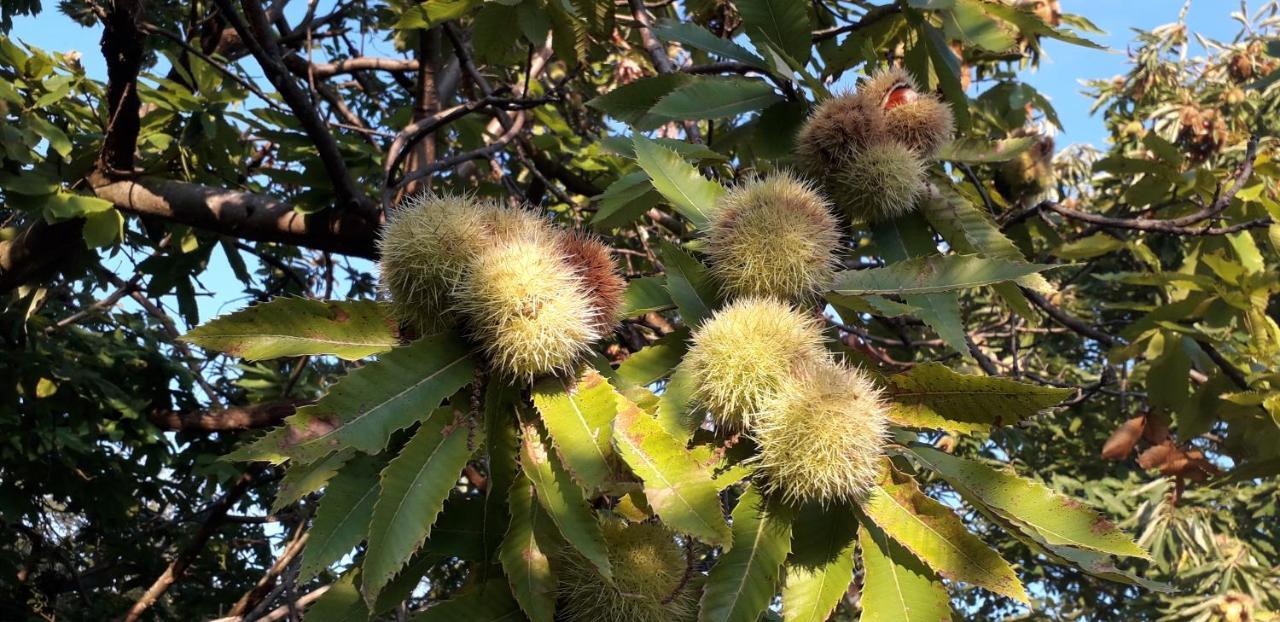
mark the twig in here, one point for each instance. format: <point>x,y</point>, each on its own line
<point>257,35</point>
<point>178,567</point>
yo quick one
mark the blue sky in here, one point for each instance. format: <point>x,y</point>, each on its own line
<point>1059,76</point>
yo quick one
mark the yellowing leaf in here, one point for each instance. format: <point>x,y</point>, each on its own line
<point>933,396</point>
<point>934,534</point>
<point>579,419</point>
<point>896,586</point>
<point>283,327</point>
<point>677,488</point>
<point>563,500</point>
<point>1057,519</point>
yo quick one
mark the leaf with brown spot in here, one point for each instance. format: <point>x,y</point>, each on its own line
<point>934,534</point>
<point>349,329</point>
<point>1047,516</point>
<point>676,486</point>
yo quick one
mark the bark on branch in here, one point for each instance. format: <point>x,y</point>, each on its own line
<point>183,560</point>
<point>251,417</point>
<point>241,214</point>
<point>255,31</point>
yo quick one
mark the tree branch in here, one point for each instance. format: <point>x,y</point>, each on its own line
<point>1182,225</point>
<point>37,251</point>
<point>234,418</point>
<point>1070,321</point>
<point>868,19</point>
<point>240,214</point>
<point>258,37</point>
<point>183,560</point>
<point>122,39</point>
<point>363,63</point>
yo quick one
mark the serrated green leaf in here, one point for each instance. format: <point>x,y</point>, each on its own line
<point>689,283</point>
<point>677,488</point>
<point>674,413</point>
<point>459,531</point>
<point>716,97</point>
<point>902,239</point>
<point>896,587</point>
<point>938,273</point>
<point>341,603</point>
<point>488,602</point>
<point>350,330</point>
<point>502,445</point>
<point>563,500</point>
<point>342,518</point>
<point>821,564</point>
<point>645,294</point>
<point>745,579</point>
<point>625,200</point>
<point>630,103</point>
<point>941,312</point>
<point>524,559</point>
<point>969,228</point>
<point>970,150</point>
<point>1058,520</point>
<point>363,408</point>
<point>691,194</point>
<point>579,418</point>
<point>784,23</point>
<point>656,361</point>
<point>414,487</point>
<point>696,36</point>
<point>302,479</point>
<point>932,396</point>
<point>935,535</point>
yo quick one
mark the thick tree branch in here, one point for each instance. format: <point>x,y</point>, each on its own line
<point>241,214</point>
<point>234,418</point>
<point>37,251</point>
<point>122,48</point>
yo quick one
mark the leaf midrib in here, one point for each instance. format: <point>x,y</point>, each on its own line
<point>324,543</point>
<point>426,465</point>
<point>259,336</point>
<point>946,542</point>
<point>675,490</point>
<point>413,387</point>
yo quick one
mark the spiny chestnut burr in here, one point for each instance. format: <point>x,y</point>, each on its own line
<point>821,434</point>
<point>650,579</point>
<point>744,352</point>
<point>773,236</point>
